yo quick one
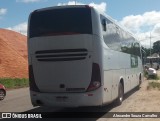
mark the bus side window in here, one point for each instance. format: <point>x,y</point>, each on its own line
<point>104,24</point>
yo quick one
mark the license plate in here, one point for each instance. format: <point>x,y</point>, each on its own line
<point>61,99</point>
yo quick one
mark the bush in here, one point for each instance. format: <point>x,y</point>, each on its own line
<point>155,77</point>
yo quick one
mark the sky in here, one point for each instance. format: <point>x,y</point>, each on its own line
<point>141,17</point>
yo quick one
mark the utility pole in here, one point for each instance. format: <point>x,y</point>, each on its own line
<point>150,43</point>
<point>75,2</point>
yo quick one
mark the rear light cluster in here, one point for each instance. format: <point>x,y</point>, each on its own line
<point>32,83</point>
<point>96,78</point>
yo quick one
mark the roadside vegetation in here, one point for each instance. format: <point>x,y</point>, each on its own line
<point>154,77</point>
<point>153,81</point>
<point>153,85</point>
<point>12,83</point>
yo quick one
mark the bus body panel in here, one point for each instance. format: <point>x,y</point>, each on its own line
<point>117,66</point>
<point>72,74</point>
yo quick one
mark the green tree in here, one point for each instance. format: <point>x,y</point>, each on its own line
<point>156,47</point>
<point>147,51</point>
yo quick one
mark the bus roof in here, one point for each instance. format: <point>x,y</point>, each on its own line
<point>63,6</point>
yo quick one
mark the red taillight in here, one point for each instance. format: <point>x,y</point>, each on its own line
<point>96,78</point>
<point>92,86</point>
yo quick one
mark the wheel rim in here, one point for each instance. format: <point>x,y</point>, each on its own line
<point>2,95</point>
<point>121,94</point>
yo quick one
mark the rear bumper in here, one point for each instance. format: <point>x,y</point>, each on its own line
<point>93,98</point>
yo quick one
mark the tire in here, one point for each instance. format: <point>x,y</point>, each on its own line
<point>119,100</point>
<point>2,94</point>
<point>157,67</point>
<point>137,87</point>
<point>140,81</point>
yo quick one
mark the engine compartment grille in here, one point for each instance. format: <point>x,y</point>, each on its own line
<point>61,54</point>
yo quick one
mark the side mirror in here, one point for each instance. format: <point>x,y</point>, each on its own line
<point>104,24</point>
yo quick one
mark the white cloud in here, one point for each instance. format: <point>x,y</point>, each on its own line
<point>29,1</point>
<point>144,25</point>
<point>70,3</point>
<point>100,7</point>
<point>156,29</point>
<point>136,22</point>
<point>132,22</point>
<point>149,36</point>
<point>21,28</point>
<point>3,11</point>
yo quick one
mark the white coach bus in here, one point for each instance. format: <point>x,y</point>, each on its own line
<point>80,57</point>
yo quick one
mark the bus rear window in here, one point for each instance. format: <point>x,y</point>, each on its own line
<point>60,22</point>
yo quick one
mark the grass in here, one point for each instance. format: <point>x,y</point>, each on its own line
<point>153,85</point>
<point>11,83</point>
<point>155,77</point>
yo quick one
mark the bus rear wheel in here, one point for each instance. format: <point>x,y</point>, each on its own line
<point>140,81</point>
<point>119,100</point>
<point>2,94</point>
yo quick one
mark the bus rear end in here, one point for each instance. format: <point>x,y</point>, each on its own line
<point>62,71</point>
